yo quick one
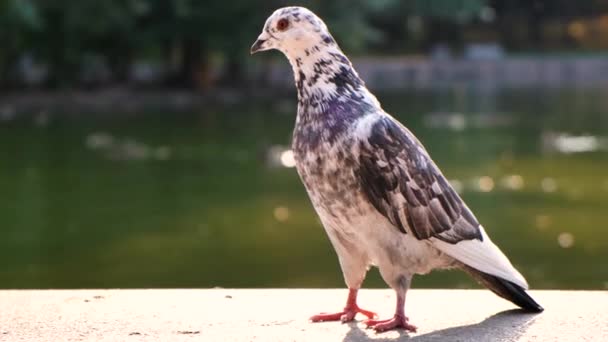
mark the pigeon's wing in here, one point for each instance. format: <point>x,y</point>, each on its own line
<point>404,184</point>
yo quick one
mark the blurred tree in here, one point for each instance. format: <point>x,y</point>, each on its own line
<point>188,35</point>
<point>420,24</point>
<point>351,20</point>
<point>521,22</point>
<point>73,30</point>
<point>189,31</point>
<point>18,20</point>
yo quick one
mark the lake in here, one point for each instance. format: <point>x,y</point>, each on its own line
<point>208,198</point>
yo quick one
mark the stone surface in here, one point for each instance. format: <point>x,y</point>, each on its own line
<point>281,315</point>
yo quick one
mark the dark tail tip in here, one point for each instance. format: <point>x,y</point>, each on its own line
<point>518,295</point>
<point>506,290</point>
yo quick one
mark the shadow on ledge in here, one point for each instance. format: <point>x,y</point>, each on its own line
<point>504,326</point>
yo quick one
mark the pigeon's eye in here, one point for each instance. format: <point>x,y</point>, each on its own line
<point>282,24</point>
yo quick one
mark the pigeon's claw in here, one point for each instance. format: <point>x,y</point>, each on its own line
<point>325,317</point>
<point>398,321</point>
<point>347,315</point>
<point>368,314</point>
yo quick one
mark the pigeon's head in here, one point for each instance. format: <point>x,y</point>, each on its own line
<point>293,30</point>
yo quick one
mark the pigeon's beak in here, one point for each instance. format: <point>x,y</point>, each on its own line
<point>258,46</point>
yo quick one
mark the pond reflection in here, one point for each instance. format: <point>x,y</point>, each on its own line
<point>210,198</point>
<point>567,143</point>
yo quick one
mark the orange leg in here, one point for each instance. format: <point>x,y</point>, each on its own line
<point>400,320</point>
<point>346,315</point>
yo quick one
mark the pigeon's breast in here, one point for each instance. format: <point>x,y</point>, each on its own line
<point>327,149</point>
<point>328,173</point>
<point>328,170</point>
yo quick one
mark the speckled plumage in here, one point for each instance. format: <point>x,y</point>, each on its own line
<point>380,197</point>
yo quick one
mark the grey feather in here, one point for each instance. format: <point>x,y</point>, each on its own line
<point>432,207</point>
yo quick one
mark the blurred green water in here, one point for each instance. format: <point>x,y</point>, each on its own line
<point>192,200</point>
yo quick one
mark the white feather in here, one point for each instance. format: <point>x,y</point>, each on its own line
<point>484,256</point>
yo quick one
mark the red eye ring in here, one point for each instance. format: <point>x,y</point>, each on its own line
<point>282,24</point>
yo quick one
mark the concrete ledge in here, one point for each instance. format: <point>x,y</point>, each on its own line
<point>281,315</point>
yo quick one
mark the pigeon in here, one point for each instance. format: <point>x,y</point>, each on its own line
<point>380,197</point>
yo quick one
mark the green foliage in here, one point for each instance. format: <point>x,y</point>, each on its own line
<point>18,19</point>
<point>19,14</point>
<point>349,20</point>
<point>182,34</point>
<point>64,33</point>
<point>74,30</point>
<point>455,9</point>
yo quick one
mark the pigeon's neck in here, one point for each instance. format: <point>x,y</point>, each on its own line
<point>328,85</point>
<point>331,97</point>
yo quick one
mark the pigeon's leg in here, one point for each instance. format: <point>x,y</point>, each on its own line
<point>399,320</point>
<point>354,267</point>
<point>348,314</point>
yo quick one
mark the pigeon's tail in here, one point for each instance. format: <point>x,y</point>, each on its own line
<point>505,289</point>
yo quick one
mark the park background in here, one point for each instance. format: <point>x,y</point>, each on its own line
<point>142,146</point>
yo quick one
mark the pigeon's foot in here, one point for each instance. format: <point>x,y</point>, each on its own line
<point>398,321</point>
<point>347,315</point>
